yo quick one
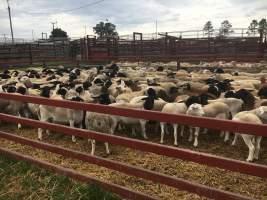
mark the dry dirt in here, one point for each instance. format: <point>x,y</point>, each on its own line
<point>211,143</point>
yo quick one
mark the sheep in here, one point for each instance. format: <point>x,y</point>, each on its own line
<point>218,110</point>
<point>116,89</point>
<point>253,142</point>
<point>176,108</point>
<point>235,106</point>
<point>14,107</point>
<point>100,123</point>
<point>195,110</point>
<point>126,97</point>
<point>58,114</point>
<point>145,102</point>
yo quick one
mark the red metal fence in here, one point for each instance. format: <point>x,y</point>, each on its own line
<point>166,47</point>
<point>201,158</point>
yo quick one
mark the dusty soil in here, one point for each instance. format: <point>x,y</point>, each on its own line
<point>211,143</point>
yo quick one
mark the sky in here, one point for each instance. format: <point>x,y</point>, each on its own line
<point>32,17</point>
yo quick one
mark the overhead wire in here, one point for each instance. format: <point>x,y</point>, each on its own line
<point>64,11</point>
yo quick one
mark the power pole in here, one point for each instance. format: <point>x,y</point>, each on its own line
<point>32,35</point>
<point>53,24</point>
<point>85,30</point>
<point>10,21</point>
<point>156,28</point>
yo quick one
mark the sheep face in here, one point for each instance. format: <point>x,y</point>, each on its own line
<point>262,93</point>
<point>62,91</point>
<point>11,89</point>
<point>195,109</point>
<point>86,85</point>
<point>21,90</point>
<point>79,89</point>
<point>45,92</point>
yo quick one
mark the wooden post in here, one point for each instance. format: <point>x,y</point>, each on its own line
<point>30,53</point>
<point>178,67</point>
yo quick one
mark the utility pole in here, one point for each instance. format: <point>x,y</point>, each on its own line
<point>85,30</point>
<point>32,35</point>
<point>10,21</point>
<point>156,28</point>
<point>53,24</point>
<point>4,37</point>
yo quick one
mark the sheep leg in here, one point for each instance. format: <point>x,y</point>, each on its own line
<point>107,148</point>
<point>73,138</point>
<point>175,127</point>
<point>196,136</point>
<point>133,131</point>
<point>19,125</point>
<point>226,136</point>
<point>235,139</point>
<point>93,147</point>
<point>248,141</point>
<point>143,126</point>
<point>190,134</point>
<point>182,131</point>
<point>205,131</point>
<point>40,133</point>
<point>162,126</point>
<point>257,148</point>
<point>113,126</point>
<point>47,131</point>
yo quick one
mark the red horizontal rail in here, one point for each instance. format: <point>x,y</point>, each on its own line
<point>122,191</point>
<point>128,169</point>
<point>226,125</point>
<point>197,157</point>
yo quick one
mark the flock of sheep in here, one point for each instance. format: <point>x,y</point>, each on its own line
<point>212,93</point>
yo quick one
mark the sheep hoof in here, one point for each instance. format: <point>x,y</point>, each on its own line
<point>19,126</point>
<point>225,141</point>
<point>161,142</point>
<point>256,158</point>
<point>249,160</point>
<point>195,145</point>
<point>73,139</point>
<point>175,144</point>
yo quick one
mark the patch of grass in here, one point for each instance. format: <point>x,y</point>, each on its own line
<point>19,180</point>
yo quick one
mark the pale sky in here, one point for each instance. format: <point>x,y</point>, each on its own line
<point>129,16</point>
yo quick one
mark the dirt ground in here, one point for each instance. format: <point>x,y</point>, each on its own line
<point>210,143</point>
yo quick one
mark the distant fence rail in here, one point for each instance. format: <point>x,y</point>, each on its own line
<point>188,155</point>
<point>181,46</point>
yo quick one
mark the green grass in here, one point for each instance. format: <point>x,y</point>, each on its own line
<point>19,180</point>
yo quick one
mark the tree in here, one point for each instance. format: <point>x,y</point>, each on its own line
<point>253,27</point>
<point>208,28</point>
<point>262,29</point>
<point>104,30</point>
<point>225,29</point>
<point>58,32</point>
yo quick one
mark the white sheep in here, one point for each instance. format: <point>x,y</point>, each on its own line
<point>253,142</point>
<point>217,110</point>
<point>195,110</point>
<point>235,106</point>
<point>176,108</point>
<point>59,115</point>
<point>100,123</point>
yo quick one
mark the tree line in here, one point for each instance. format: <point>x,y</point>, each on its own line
<point>108,29</point>
<point>226,28</point>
